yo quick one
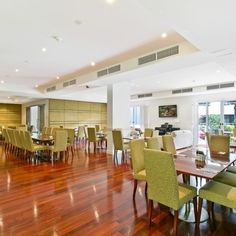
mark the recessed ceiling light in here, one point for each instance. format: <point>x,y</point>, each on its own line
<point>16,70</point>
<point>2,82</point>
<point>8,97</point>
<point>57,77</point>
<point>217,71</point>
<point>110,1</point>
<point>36,86</point>
<point>44,49</point>
<point>164,35</point>
<point>93,63</point>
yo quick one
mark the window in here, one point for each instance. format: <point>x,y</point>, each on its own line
<point>135,116</point>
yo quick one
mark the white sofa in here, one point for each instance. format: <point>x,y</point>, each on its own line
<point>182,138</point>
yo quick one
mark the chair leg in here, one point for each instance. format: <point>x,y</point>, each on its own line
<point>135,187</point>
<point>195,208</point>
<point>176,215</point>
<point>146,186</point>
<point>150,207</point>
<point>199,211</point>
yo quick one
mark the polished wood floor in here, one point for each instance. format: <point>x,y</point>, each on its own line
<point>84,195</point>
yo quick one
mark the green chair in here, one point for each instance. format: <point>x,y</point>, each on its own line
<point>215,192</point>
<point>137,146</point>
<point>163,186</point>
<point>97,128</point>
<point>219,143</point>
<point>153,143</point>
<point>119,144</point>
<point>148,132</point>
<point>30,147</point>
<point>226,178</point>
<point>70,141</point>
<point>232,169</point>
<point>168,144</point>
<point>92,138</point>
<point>60,143</point>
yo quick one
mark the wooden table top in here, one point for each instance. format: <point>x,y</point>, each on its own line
<point>186,163</point>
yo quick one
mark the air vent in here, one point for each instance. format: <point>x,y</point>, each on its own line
<point>147,59</point>
<point>53,88</point>
<point>228,85</point>
<point>211,87</point>
<point>145,95</point>
<point>102,73</point>
<point>68,83</point>
<point>168,52</point>
<point>72,82</point>
<point>184,90</point>
<point>109,70</point>
<point>187,90</point>
<point>114,69</point>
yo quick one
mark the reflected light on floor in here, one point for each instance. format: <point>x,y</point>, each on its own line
<point>8,182</point>
<point>96,214</point>
<point>35,210</point>
<point>71,197</point>
<point>94,189</point>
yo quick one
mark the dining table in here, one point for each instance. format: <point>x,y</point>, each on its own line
<point>42,138</point>
<point>189,164</point>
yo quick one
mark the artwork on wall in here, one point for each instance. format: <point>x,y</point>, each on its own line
<point>168,111</point>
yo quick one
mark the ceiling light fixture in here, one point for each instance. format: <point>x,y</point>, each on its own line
<point>93,63</point>
<point>164,35</point>
<point>57,77</point>
<point>36,86</point>
<point>110,1</point>
<point>217,71</point>
<point>8,97</point>
<point>2,82</point>
<point>16,70</point>
<point>44,49</point>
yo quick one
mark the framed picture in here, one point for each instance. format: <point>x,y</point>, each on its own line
<point>168,111</point>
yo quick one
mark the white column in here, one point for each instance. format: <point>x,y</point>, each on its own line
<point>118,110</point>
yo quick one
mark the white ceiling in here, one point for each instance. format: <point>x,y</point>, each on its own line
<point>93,30</point>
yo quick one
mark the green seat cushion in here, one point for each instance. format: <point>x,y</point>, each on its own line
<point>220,193</point>
<point>141,175</point>
<point>186,193</point>
<point>232,169</point>
<point>226,178</point>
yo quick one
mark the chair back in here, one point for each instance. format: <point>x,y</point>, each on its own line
<point>60,141</point>
<point>137,146</point>
<point>168,144</point>
<point>28,141</point>
<point>81,132</point>
<point>12,137</point>
<point>5,135</point>
<point>161,177</point>
<point>18,139</point>
<point>71,136</point>
<point>219,143</point>
<point>148,132</point>
<point>44,131</point>
<point>97,128</point>
<point>153,143</point>
<point>117,139</point>
<point>91,134</point>
<point>234,131</point>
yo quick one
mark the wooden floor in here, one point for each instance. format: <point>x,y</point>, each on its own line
<point>86,195</point>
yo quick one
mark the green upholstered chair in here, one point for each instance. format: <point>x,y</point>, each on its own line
<point>97,128</point>
<point>92,138</point>
<point>168,144</point>
<point>70,141</point>
<point>163,186</point>
<point>219,143</point>
<point>152,143</point>
<point>119,144</point>
<point>226,178</point>
<point>137,146</point>
<point>60,143</point>
<point>6,139</point>
<point>215,192</point>
<point>148,132</point>
<point>232,169</point>
<point>30,147</point>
